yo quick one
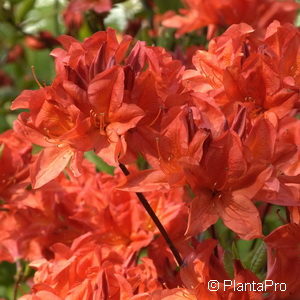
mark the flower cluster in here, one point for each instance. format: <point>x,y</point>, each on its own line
<point>214,14</point>
<point>219,142</point>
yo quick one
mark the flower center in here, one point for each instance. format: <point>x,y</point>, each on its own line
<point>98,120</point>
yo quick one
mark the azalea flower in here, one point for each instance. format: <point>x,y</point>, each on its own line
<point>257,13</point>
<point>283,248</point>
<point>239,68</point>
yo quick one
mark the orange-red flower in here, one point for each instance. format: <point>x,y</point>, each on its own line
<point>257,13</point>
<point>217,141</point>
<point>53,123</point>
<point>96,102</point>
<point>260,74</point>
<point>284,261</point>
<point>15,155</point>
<point>87,270</point>
<point>225,184</point>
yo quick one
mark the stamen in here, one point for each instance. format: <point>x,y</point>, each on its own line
<point>92,117</point>
<point>35,77</point>
<point>49,140</point>
<point>157,116</point>
<point>245,50</point>
<point>157,148</point>
<point>102,123</point>
<point>191,124</point>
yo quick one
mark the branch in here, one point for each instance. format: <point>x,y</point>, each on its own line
<point>156,221</point>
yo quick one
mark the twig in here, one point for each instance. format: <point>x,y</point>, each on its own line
<point>213,233</point>
<point>156,221</point>
<point>19,278</point>
<point>288,215</point>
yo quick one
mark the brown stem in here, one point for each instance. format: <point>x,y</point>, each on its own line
<point>156,221</point>
<point>288,215</point>
<point>19,277</point>
<point>213,233</point>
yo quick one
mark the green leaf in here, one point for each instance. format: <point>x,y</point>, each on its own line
<point>22,9</point>
<point>274,219</point>
<point>244,248</point>
<point>189,191</point>
<point>36,149</point>
<point>8,276</point>
<point>141,162</point>
<point>8,32</point>
<point>3,124</point>
<point>10,118</point>
<point>225,235</point>
<point>7,272</point>
<point>142,253</point>
<point>235,251</point>
<point>259,259</point>
<point>43,64</point>
<point>143,35</point>
<point>13,2</point>
<point>165,5</point>
<point>101,165</point>
<point>45,15</point>
<point>7,93</point>
<point>166,39</point>
<point>84,31</point>
<point>228,263</point>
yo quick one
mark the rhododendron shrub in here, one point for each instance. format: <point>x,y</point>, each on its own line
<point>142,172</point>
